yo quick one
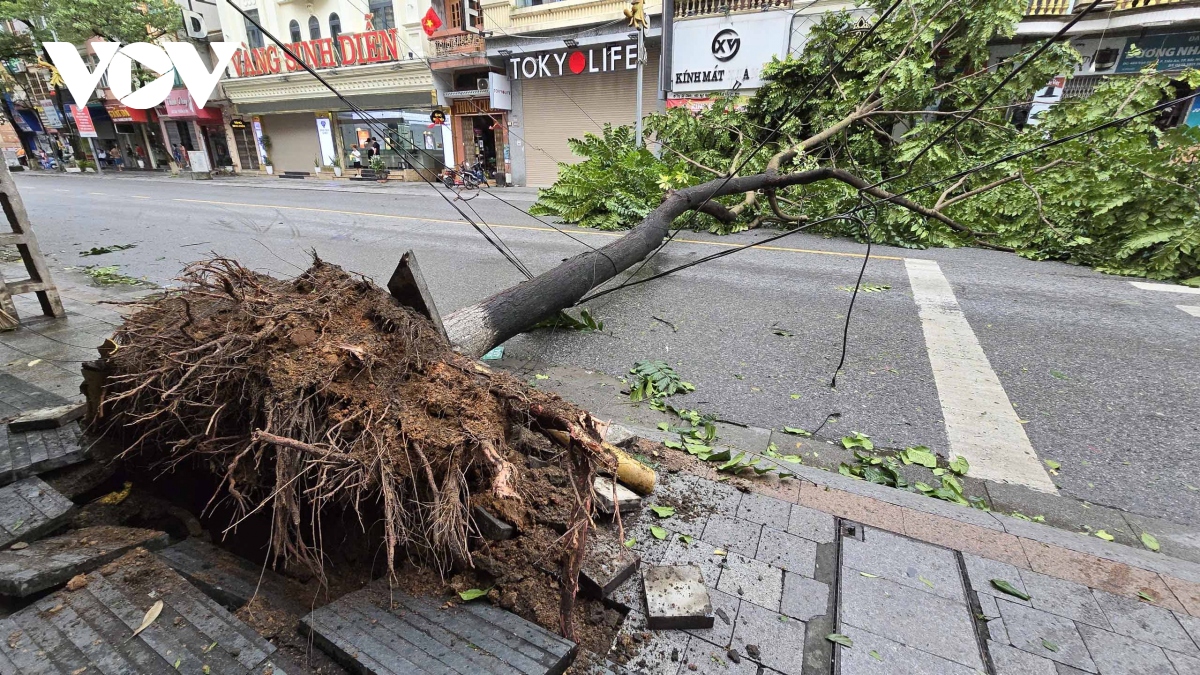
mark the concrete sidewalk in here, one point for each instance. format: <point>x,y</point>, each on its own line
<point>312,183</point>
<point>903,583</point>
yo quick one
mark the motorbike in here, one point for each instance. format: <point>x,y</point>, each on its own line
<point>468,176</point>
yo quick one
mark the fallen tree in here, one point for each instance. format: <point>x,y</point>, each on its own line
<point>321,394</point>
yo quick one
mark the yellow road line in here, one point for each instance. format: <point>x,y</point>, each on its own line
<point>784,249</point>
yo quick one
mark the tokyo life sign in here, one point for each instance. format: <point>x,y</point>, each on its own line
<point>605,58</point>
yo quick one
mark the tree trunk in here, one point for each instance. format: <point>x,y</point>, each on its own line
<point>476,329</point>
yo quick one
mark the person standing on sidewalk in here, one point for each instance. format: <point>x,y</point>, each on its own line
<point>118,160</point>
<point>355,157</point>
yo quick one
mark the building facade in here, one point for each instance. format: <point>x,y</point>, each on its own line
<point>1118,39</point>
<point>370,51</point>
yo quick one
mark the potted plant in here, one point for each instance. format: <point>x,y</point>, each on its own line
<point>337,167</point>
<point>316,166</point>
<point>268,166</point>
<point>380,169</point>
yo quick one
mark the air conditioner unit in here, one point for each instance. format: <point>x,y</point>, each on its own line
<point>481,84</point>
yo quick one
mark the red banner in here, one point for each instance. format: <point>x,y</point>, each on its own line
<point>83,121</point>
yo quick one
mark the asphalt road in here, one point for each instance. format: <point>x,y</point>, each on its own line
<point>1103,376</point>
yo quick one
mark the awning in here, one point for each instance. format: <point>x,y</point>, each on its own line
<point>390,101</point>
<point>33,124</point>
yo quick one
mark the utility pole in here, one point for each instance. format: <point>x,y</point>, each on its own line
<point>637,19</point>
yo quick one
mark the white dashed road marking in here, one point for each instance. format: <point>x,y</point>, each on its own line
<point>1170,288</point>
<point>981,424</point>
<point>1194,310</point>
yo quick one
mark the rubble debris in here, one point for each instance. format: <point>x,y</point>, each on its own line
<point>606,565</point>
<point>46,418</point>
<point>89,629</point>
<point>386,631</point>
<point>228,579</point>
<point>676,598</point>
<point>29,453</point>
<point>627,500</point>
<point>49,562</point>
<point>79,480</point>
<point>77,583</point>
<point>375,421</point>
<point>492,527</point>
<point>28,509</point>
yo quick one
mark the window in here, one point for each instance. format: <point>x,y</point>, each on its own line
<point>294,27</point>
<point>254,37</point>
<point>335,26</point>
<point>314,28</point>
<point>384,14</point>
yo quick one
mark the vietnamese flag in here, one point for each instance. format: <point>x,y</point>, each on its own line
<point>431,22</point>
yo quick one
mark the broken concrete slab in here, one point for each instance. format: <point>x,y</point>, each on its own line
<point>492,527</point>
<point>30,453</point>
<point>78,480</point>
<point>607,564</point>
<point>676,598</point>
<point>384,631</point>
<point>627,500</point>
<point>91,628</point>
<point>50,562</point>
<point>230,580</point>
<point>408,287</point>
<point>28,509</point>
<point>47,418</point>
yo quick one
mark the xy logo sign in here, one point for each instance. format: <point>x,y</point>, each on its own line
<point>117,61</point>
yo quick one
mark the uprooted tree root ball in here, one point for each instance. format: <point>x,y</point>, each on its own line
<point>322,390</point>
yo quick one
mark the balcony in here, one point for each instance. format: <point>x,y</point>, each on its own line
<point>689,8</point>
<point>1063,7</point>
<point>504,17</point>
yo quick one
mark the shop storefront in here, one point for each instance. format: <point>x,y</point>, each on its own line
<point>560,94</point>
<point>190,129</point>
<point>134,134</point>
<point>302,126</point>
<point>479,120</point>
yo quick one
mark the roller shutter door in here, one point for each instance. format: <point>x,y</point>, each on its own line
<point>294,143</point>
<point>552,113</point>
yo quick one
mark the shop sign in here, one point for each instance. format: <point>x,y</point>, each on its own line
<point>22,124</point>
<point>1193,118</point>
<point>499,91</point>
<point>180,105</point>
<point>237,123</point>
<point>325,136</point>
<point>83,120</point>
<point>598,59</point>
<point>726,53</point>
<point>1175,51</point>
<point>120,113</point>
<point>350,49</point>
<point>49,113</point>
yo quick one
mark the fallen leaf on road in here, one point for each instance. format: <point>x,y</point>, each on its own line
<point>662,511</point>
<point>875,655</point>
<point>151,615</point>
<point>1145,596</point>
<point>1103,535</point>
<point>1004,586</point>
<point>1058,375</point>
<point>658,532</point>
<point>869,575</point>
<point>838,638</point>
<point>77,582</point>
<point>1049,645</point>
<point>34,362</point>
<point>1148,541</point>
<point>472,593</point>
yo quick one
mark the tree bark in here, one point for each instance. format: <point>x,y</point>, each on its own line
<point>476,329</point>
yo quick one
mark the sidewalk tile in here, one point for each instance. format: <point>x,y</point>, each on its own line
<point>1118,655</point>
<point>733,534</point>
<point>852,507</point>
<point>1176,541</point>
<point>698,553</point>
<point>711,660</point>
<point>787,551</point>
<point>688,488</point>
<point>1190,624</point>
<point>649,548</point>
<point>982,541</point>
<point>660,652</point>
<point>764,510</point>
<point>1188,593</point>
<point>991,614</point>
<point>1117,578</point>
<point>1184,664</point>
<point>1145,622</point>
<point>905,561</point>
<point>725,611</point>
<point>772,486</point>
<point>914,618</point>
<point>1064,598</point>
<point>1061,512</point>
<point>804,598</point>
<point>981,571</point>
<point>893,657</point>
<point>1010,661</point>
<point>1028,628</point>
<point>812,525</point>
<point>780,643</point>
<point>752,580</point>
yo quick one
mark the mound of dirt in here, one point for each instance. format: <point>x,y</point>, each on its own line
<point>321,395</point>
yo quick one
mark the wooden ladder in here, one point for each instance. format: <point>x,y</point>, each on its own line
<point>39,281</point>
